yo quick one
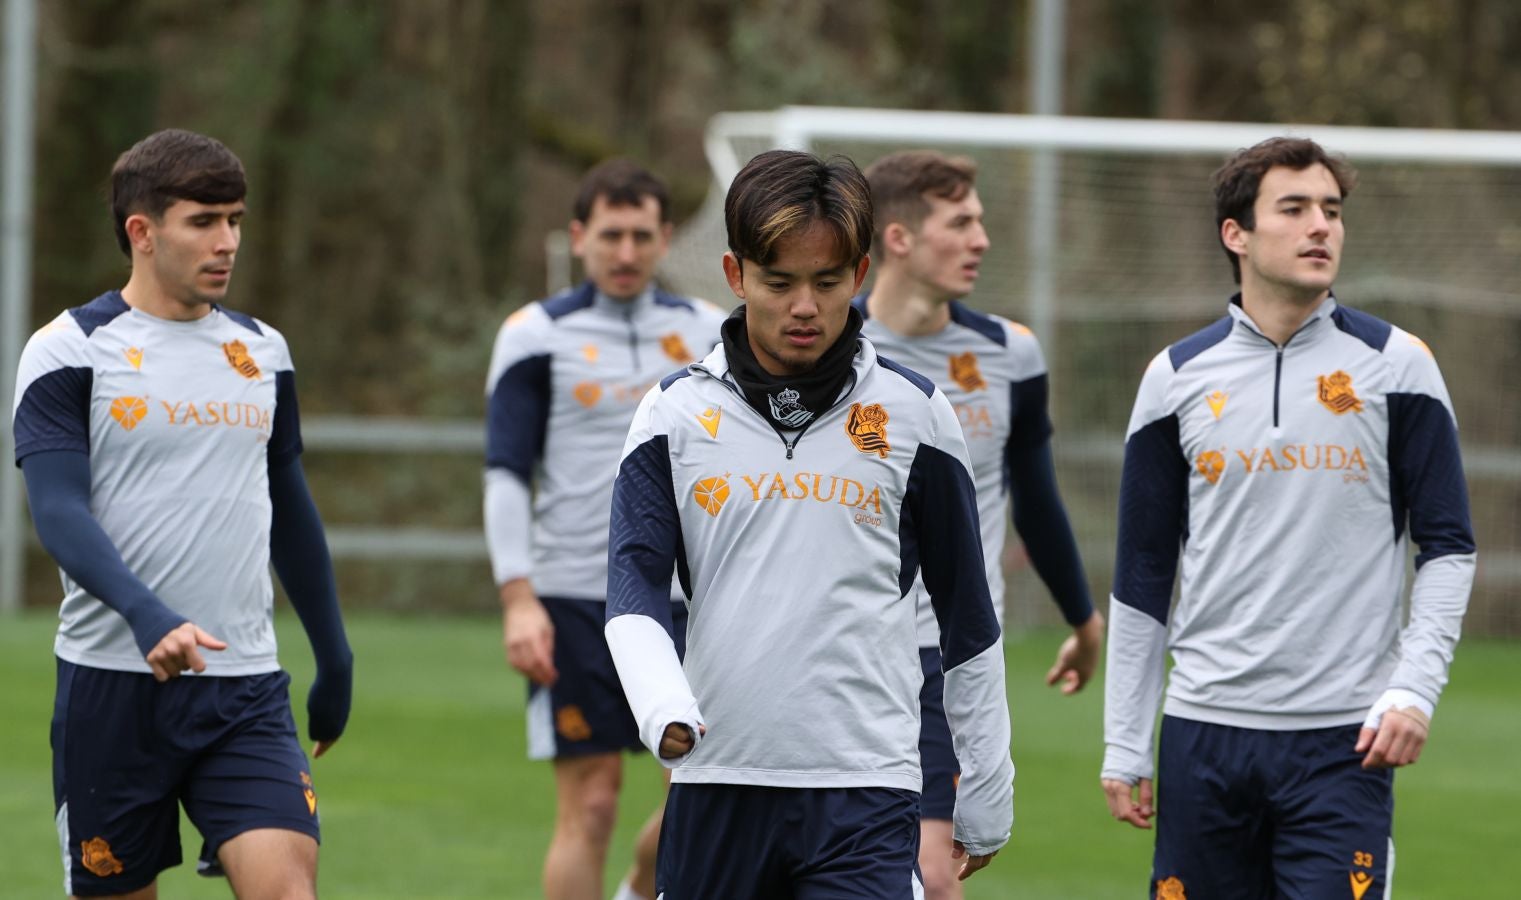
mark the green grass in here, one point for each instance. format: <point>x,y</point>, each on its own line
<point>429,795</point>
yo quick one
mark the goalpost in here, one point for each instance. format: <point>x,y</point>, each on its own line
<point>1104,244</point>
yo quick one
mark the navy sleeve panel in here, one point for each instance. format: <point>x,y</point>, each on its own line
<point>1042,523</point>
<point>1029,414</point>
<point>1426,471</point>
<point>1371,330</point>
<point>54,413</point>
<point>667,381</point>
<point>909,375</point>
<point>573,300</point>
<point>981,323</point>
<point>100,311</point>
<point>644,538</point>
<point>1201,340</point>
<point>243,319</point>
<point>517,417</point>
<point>285,436</point>
<point>1153,518</point>
<point>58,491</point>
<point>298,549</point>
<point>939,526</point>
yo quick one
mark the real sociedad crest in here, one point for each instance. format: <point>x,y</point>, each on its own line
<point>786,409</point>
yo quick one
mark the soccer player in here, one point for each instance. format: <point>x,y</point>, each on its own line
<point>930,241</point>
<point>566,376</point>
<point>159,438</point>
<point>797,482</point>
<point>1289,452</point>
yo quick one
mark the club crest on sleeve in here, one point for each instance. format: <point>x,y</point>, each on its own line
<point>673,346</point>
<point>787,409</point>
<point>965,373</point>
<point>128,411</point>
<point>238,358</point>
<point>867,427</point>
<point>711,494</point>
<point>1336,394</point>
<point>96,856</point>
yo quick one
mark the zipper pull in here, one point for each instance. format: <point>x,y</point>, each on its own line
<point>789,449</point>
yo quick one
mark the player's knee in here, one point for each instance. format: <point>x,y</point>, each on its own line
<point>939,881</point>
<point>596,811</point>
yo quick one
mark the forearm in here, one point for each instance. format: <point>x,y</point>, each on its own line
<point>977,710</point>
<point>1133,684</point>
<point>508,514</point>
<point>1042,523</point>
<point>298,549</point>
<point>58,490</point>
<point>653,681</point>
<point>1438,602</point>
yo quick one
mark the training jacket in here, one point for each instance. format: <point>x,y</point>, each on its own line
<point>798,554</point>
<point>1290,480</point>
<point>566,375</point>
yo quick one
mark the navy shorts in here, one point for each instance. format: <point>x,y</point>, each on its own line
<point>127,751</point>
<point>937,756</point>
<point>585,710</point>
<point>768,843</point>
<point>1245,814</point>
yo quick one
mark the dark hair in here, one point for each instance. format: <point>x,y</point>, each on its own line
<point>168,166</point>
<point>782,191</point>
<point>899,182</point>
<point>1237,182</point>
<point>622,182</point>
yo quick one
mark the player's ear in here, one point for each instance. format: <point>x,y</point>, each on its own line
<point>577,237</point>
<point>861,268</point>
<point>897,239</point>
<point>734,271</point>
<point>1234,237</point>
<point>139,228</point>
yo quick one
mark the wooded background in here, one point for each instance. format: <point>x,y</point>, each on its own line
<point>406,158</point>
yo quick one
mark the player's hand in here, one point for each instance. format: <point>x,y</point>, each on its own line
<point>1078,657</point>
<point>678,740</point>
<point>179,651</point>
<point>1124,805</point>
<point>328,703</point>
<point>527,633</point>
<point>1397,741</point>
<point>972,864</point>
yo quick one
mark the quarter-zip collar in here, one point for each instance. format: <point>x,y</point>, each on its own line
<point>624,309</point>
<point>1309,330</point>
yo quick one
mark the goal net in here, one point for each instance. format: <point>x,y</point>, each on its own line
<point>1104,243</point>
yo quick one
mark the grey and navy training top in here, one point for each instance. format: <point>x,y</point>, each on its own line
<point>566,375</point>
<point>1289,480</point>
<point>798,552</point>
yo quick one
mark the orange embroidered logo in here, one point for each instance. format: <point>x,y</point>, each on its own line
<point>711,494</point>
<point>965,373</point>
<point>134,356</point>
<point>1216,401</point>
<point>571,723</point>
<point>1211,464</point>
<point>587,393</point>
<point>1361,881</point>
<point>237,355</point>
<point>311,795</point>
<point>97,858</point>
<point>1336,393</point>
<point>709,418</point>
<point>674,347</point>
<point>1171,889</point>
<point>128,411</point>
<point>867,427</point>
<point>591,352</point>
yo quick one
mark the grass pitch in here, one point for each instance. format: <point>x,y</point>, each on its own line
<point>428,795</point>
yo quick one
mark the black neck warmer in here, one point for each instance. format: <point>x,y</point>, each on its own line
<point>790,401</point>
